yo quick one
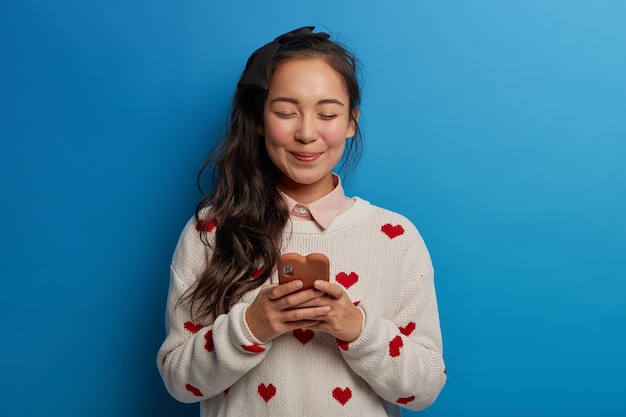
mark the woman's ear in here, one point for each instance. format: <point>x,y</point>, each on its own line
<point>352,124</point>
<point>260,130</point>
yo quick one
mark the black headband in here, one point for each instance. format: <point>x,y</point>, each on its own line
<point>255,74</point>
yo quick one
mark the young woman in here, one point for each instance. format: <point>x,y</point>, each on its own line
<point>364,343</point>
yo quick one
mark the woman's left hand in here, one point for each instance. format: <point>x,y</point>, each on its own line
<point>344,321</point>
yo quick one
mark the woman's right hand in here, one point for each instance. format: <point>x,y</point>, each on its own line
<point>271,313</point>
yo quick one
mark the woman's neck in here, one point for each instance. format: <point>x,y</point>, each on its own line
<point>307,193</point>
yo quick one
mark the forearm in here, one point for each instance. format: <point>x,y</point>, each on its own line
<point>197,362</point>
<point>401,363</point>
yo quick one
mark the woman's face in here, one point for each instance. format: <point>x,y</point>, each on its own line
<point>306,124</point>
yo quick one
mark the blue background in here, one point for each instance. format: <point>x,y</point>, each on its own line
<point>497,127</point>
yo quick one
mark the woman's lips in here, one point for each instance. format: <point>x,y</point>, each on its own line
<point>305,157</point>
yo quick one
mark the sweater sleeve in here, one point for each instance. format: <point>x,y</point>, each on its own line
<point>400,357</point>
<point>198,360</point>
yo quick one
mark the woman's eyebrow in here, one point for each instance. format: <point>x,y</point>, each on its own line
<point>285,100</point>
<point>294,101</point>
<point>329,101</point>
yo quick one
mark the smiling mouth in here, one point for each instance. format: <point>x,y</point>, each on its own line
<point>305,157</point>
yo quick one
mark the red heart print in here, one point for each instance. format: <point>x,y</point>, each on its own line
<point>257,273</point>
<point>253,348</point>
<point>342,344</point>
<point>347,280</point>
<point>405,400</point>
<point>392,231</point>
<point>266,392</point>
<point>394,346</point>
<point>192,327</point>
<point>408,329</point>
<point>195,391</point>
<point>207,225</point>
<point>342,395</point>
<point>304,336</point>
<point>209,341</point>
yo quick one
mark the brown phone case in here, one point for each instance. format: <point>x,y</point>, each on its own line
<point>293,266</point>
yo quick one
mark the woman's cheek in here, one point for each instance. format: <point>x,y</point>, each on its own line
<point>334,135</point>
<point>278,132</point>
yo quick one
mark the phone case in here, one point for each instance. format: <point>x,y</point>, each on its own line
<point>293,266</point>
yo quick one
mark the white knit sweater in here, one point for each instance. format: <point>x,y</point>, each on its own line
<point>380,259</point>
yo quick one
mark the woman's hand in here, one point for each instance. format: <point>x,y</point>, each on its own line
<point>272,312</point>
<point>344,320</point>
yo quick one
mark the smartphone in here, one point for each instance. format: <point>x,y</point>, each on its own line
<point>293,266</point>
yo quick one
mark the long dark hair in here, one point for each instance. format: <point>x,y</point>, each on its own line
<point>245,210</point>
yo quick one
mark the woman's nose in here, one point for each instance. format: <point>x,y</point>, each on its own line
<point>307,130</point>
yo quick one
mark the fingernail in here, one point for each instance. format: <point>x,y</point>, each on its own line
<point>297,284</point>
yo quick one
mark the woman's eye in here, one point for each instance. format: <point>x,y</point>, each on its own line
<point>283,115</point>
<point>327,116</point>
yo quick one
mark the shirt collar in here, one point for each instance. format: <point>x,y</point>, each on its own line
<point>322,211</point>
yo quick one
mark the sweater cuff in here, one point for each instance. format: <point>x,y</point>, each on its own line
<point>241,333</point>
<point>363,316</point>
<point>371,332</point>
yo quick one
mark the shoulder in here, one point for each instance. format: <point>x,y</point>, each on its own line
<point>194,242</point>
<point>391,223</point>
<point>400,239</point>
<point>396,232</point>
<point>378,223</point>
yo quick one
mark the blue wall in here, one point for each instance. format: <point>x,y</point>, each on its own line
<point>497,127</point>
